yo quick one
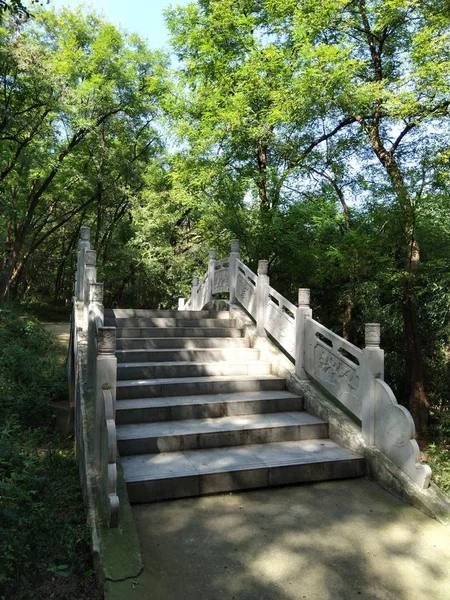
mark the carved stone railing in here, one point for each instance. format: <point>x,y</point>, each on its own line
<point>92,374</point>
<point>352,376</point>
<point>335,364</point>
<point>203,292</point>
<point>280,320</point>
<point>246,288</point>
<point>221,276</point>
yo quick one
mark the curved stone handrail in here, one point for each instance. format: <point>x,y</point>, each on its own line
<point>394,435</point>
<point>109,459</point>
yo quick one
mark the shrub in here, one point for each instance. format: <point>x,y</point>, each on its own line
<point>44,538</point>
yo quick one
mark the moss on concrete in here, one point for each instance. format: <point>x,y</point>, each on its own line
<point>120,553</point>
<point>116,551</point>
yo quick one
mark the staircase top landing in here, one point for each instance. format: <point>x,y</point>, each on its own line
<point>143,313</point>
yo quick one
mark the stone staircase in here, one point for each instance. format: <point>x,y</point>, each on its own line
<point>198,412</point>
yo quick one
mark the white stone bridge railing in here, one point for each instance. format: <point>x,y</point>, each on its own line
<point>353,377</point>
<point>92,372</point>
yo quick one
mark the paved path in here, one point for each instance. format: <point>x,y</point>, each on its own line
<point>339,540</point>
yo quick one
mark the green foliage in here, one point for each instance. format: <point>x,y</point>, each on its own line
<point>78,134</point>
<point>19,8</point>
<point>44,541</point>
<point>31,373</point>
<point>438,457</point>
<point>331,120</point>
<point>316,133</point>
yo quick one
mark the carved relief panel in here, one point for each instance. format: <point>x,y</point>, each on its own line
<point>281,327</point>
<point>246,294</point>
<point>221,281</point>
<point>337,375</point>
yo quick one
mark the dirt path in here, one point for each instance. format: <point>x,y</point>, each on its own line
<point>60,330</point>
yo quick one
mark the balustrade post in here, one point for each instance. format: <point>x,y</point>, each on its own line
<point>96,311</point>
<point>262,296</point>
<point>83,245</point>
<point>90,276</point>
<point>232,269</point>
<point>372,368</point>
<point>211,273</point>
<point>180,303</point>
<point>303,311</point>
<point>194,294</point>
<point>105,378</point>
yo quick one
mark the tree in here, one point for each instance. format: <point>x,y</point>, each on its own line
<point>80,100</point>
<point>270,83</point>
<point>383,64</point>
<point>229,110</point>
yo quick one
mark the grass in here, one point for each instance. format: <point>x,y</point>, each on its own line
<point>44,537</point>
<point>437,451</point>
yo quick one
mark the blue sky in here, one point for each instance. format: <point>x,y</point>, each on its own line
<point>144,17</point>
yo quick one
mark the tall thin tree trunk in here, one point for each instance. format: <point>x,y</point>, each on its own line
<point>262,177</point>
<point>346,321</point>
<point>418,401</point>
<point>10,265</point>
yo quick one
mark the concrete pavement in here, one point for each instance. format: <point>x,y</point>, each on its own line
<point>337,540</point>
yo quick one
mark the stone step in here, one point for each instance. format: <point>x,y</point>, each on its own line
<point>208,406</point>
<point>197,354</point>
<point>189,386</point>
<point>161,476</point>
<point>149,332</point>
<point>141,343</point>
<point>166,322</point>
<point>166,370</point>
<point>144,313</point>
<point>200,434</point>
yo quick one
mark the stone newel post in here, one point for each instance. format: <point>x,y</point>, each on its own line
<point>194,293</point>
<point>232,269</point>
<point>95,312</point>
<point>83,245</point>
<point>211,272</point>
<point>180,303</point>
<point>90,276</point>
<point>105,379</point>
<point>302,313</point>
<point>262,296</point>
<point>372,368</point>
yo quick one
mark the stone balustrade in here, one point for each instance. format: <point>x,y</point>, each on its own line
<point>353,377</point>
<point>92,371</point>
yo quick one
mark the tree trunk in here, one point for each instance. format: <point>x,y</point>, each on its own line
<point>418,401</point>
<point>262,177</point>
<point>38,189</point>
<point>347,318</point>
<point>8,271</point>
